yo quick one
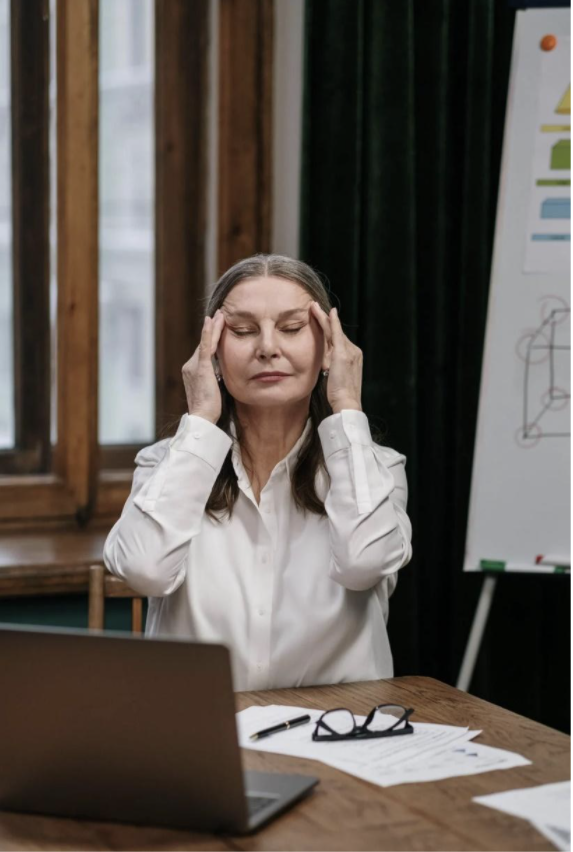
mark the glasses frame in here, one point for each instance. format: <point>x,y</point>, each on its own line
<point>361,732</point>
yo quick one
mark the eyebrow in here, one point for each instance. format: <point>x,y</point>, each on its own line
<point>282,315</point>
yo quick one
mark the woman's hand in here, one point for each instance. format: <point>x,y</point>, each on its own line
<point>344,360</point>
<point>201,385</point>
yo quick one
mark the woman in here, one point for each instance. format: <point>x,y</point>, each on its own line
<point>271,522</point>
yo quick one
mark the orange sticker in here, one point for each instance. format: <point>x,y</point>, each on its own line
<point>548,42</point>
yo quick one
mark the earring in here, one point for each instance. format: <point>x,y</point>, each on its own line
<point>325,373</point>
<point>219,377</point>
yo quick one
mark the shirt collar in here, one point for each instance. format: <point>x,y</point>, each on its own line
<point>289,460</point>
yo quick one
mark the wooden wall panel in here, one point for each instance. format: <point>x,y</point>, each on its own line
<point>181,32</point>
<point>77,140</point>
<point>245,129</point>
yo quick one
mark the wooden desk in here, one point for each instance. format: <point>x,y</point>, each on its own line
<point>345,813</point>
<point>49,563</point>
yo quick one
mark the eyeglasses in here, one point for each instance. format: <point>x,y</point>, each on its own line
<point>385,720</point>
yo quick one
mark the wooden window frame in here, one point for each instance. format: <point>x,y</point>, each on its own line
<point>245,129</point>
<point>29,74</point>
<point>79,489</point>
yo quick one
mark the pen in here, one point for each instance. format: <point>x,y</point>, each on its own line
<point>300,720</point>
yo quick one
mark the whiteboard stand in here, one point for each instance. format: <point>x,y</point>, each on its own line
<point>519,508</point>
<point>476,633</point>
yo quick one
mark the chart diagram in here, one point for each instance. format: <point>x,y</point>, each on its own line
<point>564,105</point>
<point>545,351</point>
<point>561,155</point>
<point>556,208</point>
<point>549,222</point>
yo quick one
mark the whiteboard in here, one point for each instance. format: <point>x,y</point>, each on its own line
<point>519,514</point>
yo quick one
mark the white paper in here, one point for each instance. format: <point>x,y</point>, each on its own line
<point>549,804</point>
<point>560,838</point>
<point>449,762</point>
<point>432,752</point>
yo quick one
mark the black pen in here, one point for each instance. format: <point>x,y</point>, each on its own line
<point>300,720</point>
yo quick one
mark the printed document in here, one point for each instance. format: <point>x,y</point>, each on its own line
<point>432,752</point>
<point>547,807</point>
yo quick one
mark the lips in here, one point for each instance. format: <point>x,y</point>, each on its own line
<point>269,375</point>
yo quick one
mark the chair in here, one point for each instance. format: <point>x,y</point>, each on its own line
<point>104,585</point>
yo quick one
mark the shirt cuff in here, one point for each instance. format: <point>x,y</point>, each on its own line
<point>340,431</point>
<point>349,428</point>
<point>202,438</point>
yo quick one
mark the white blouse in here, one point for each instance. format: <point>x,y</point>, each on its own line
<point>298,600</point>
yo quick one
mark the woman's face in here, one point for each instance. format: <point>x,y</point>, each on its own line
<point>268,327</point>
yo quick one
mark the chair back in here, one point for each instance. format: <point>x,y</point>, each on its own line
<point>102,585</point>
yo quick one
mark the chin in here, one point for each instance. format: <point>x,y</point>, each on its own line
<point>269,395</point>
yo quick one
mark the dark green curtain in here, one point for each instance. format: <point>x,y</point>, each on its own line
<point>404,109</point>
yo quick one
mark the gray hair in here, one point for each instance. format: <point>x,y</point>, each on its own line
<point>271,265</point>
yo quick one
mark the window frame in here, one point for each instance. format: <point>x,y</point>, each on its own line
<point>89,483</point>
<point>29,83</point>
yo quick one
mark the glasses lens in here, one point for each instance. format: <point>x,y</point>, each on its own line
<point>339,721</point>
<point>386,717</point>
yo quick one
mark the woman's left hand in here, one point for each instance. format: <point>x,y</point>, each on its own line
<point>343,360</point>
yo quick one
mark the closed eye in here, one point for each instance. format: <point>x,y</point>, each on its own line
<point>285,330</point>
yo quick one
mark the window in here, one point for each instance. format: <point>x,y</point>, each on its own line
<point>102,234</point>
<point>126,223</point>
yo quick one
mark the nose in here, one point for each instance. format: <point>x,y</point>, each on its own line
<point>267,343</point>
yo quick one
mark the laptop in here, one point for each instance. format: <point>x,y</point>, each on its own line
<point>110,726</point>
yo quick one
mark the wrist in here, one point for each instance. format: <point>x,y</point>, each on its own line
<point>348,404</point>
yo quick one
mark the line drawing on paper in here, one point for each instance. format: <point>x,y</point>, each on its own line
<point>546,378</point>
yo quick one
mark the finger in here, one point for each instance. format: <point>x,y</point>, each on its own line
<point>336,326</point>
<point>205,342</point>
<point>218,325</point>
<point>322,319</point>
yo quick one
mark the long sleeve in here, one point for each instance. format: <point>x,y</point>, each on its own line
<point>148,546</point>
<point>370,532</point>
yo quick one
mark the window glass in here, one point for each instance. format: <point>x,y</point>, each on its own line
<point>6,288</point>
<point>126,162</point>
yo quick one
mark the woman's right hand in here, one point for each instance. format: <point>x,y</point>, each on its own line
<point>201,385</point>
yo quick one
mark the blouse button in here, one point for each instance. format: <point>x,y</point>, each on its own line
<point>196,434</point>
<point>333,435</point>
